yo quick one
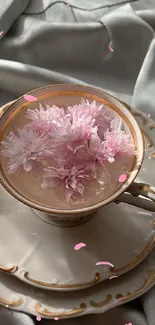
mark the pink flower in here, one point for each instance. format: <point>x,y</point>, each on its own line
<point>97,150</point>
<point>116,124</point>
<point>117,143</point>
<point>49,120</point>
<point>25,150</point>
<point>74,145</point>
<point>99,113</point>
<point>73,178</point>
<point>82,127</point>
<point>60,130</point>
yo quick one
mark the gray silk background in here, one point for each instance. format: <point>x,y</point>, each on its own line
<point>70,44</point>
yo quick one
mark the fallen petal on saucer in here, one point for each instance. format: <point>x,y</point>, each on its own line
<point>104,263</point>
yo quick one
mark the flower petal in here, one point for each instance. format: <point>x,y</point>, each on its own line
<point>30,98</point>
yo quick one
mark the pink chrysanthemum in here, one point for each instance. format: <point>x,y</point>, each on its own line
<point>73,178</point>
<point>117,143</point>
<point>25,150</point>
<point>97,150</point>
<point>98,113</point>
<point>82,127</point>
<point>50,120</point>
<point>76,144</point>
<point>116,124</point>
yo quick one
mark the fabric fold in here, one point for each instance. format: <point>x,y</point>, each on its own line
<point>143,96</point>
<point>102,43</point>
<point>13,74</point>
<point>10,10</point>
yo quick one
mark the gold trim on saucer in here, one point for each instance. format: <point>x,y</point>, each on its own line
<point>12,303</point>
<point>11,269</point>
<point>137,259</point>
<point>150,279</point>
<point>44,312</point>
<point>64,286</point>
<point>97,277</point>
<point>102,303</point>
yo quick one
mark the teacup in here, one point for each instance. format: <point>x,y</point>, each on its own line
<point>128,191</point>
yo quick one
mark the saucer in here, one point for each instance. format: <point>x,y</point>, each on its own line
<point>44,255</point>
<point>110,293</point>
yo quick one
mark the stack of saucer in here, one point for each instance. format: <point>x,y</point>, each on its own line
<point>63,272</point>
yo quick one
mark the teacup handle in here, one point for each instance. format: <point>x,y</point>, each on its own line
<point>131,196</point>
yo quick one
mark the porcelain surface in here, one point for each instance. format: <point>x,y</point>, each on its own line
<point>110,293</point>
<point>44,256</point>
<point>17,295</point>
